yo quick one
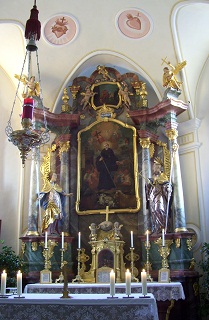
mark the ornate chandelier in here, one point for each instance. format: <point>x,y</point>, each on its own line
<point>29,137</point>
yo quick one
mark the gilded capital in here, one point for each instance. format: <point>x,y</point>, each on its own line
<point>64,147</point>
<point>145,142</point>
<point>172,134</point>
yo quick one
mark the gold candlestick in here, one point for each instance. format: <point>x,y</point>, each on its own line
<point>78,277</point>
<point>132,257</point>
<point>46,275</point>
<point>148,264</point>
<point>61,276</point>
<point>65,286</point>
<point>164,251</point>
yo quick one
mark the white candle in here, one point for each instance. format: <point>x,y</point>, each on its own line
<point>112,283</point>
<point>128,282</point>
<point>3,283</point>
<point>163,237</point>
<point>132,240</point>
<point>144,282</point>
<point>62,240</point>
<point>147,238</point>
<point>45,246</point>
<point>19,283</point>
<point>79,240</point>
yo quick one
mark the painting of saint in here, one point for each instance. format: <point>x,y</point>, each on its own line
<point>106,168</point>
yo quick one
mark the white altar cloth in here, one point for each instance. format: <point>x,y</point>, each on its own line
<point>161,291</point>
<point>78,307</point>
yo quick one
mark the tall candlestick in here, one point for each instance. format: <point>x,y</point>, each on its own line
<point>3,283</point>
<point>147,238</point>
<point>79,240</point>
<point>62,240</point>
<point>144,282</point>
<point>45,246</point>
<point>132,240</point>
<point>163,237</point>
<point>112,283</point>
<point>128,282</point>
<point>19,283</point>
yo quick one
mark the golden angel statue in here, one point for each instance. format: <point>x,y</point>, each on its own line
<point>104,72</point>
<point>169,75</point>
<point>87,95</point>
<point>32,87</point>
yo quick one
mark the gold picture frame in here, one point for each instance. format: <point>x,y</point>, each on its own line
<point>106,93</point>
<point>94,192</point>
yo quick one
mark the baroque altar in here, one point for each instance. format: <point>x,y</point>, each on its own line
<point>108,114</point>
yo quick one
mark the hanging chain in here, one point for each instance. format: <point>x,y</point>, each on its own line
<point>9,128</point>
<point>41,94</point>
<point>45,137</point>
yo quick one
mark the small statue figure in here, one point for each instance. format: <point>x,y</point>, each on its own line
<point>117,228</point>
<point>158,196</point>
<point>32,86</point>
<point>102,70</point>
<point>52,200</point>
<point>169,75</point>
<point>87,95</point>
<point>93,234</point>
<point>125,96</point>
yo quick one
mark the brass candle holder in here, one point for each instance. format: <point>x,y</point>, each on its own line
<point>132,257</point>
<point>46,275</point>
<point>61,276</point>
<point>78,278</point>
<point>65,291</point>
<point>164,250</point>
<point>148,264</point>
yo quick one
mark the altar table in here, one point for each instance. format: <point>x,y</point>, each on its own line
<point>161,291</point>
<point>78,307</point>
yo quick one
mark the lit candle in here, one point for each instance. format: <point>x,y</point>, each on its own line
<point>112,283</point>
<point>128,282</point>
<point>132,240</point>
<point>163,237</point>
<point>19,283</point>
<point>62,240</point>
<point>144,282</point>
<point>45,246</point>
<point>147,238</point>
<point>3,283</point>
<point>79,240</point>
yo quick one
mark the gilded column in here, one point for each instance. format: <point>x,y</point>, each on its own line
<point>64,179</point>
<point>179,218</point>
<point>145,174</point>
<point>33,208</point>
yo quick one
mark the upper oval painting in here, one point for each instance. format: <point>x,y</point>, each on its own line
<point>134,23</point>
<point>60,29</point>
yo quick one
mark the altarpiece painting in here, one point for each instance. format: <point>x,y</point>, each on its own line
<point>107,168</point>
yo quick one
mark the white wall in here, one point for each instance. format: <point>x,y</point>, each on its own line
<point>10,167</point>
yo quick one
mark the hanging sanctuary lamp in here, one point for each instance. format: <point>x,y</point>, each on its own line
<point>28,137</point>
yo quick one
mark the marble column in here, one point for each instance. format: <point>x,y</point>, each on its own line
<point>145,174</point>
<point>33,208</point>
<point>179,218</point>
<point>64,180</point>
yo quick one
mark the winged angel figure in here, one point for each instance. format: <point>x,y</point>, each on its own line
<point>169,75</point>
<point>32,87</point>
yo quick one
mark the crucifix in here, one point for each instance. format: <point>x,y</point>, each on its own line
<point>164,61</point>
<point>107,211</point>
